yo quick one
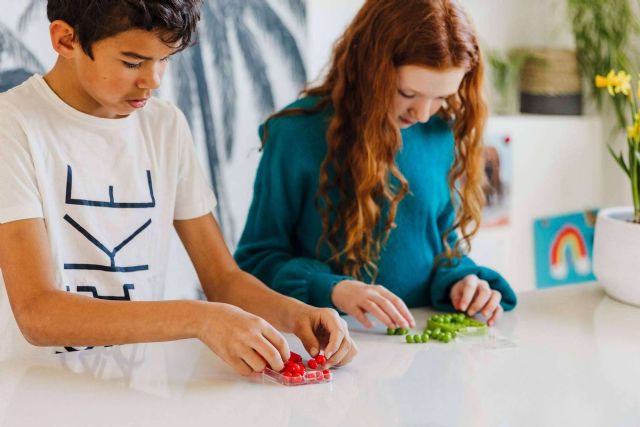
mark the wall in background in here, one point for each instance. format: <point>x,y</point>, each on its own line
<point>555,170</point>
<point>546,144</point>
<point>501,24</point>
<point>225,96</point>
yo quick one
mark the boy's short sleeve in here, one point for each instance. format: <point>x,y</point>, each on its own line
<point>19,194</point>
<point>194,197</point>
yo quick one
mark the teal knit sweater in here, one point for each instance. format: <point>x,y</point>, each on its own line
<point>279,241</point>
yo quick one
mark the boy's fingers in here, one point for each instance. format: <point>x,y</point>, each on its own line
<point>336,336</point>
<point>267,353</point>
<point>353,350</point>
<point>257,361</point>
<point>340,357</point>
<point>309,340</point>
<point>240,366</point>
<point>277,341</point>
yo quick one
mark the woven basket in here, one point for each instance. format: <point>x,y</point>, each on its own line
<point>550,82</point>
<point>551,72</point>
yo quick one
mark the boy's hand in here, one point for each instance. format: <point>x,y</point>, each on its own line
<point>357,299</point>
<point>472,295</point>
<point>323,329</point>
<point>245,341</point>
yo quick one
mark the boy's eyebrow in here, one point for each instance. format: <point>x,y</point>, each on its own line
<point>136,55</point>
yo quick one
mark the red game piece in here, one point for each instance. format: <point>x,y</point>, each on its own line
<point>294,377</point>
<point>312,364</point>
<point>295,357</point>
<point>321,359</point>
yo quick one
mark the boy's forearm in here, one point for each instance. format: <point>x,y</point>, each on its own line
<point>250,294</point>
<point>61,319</point>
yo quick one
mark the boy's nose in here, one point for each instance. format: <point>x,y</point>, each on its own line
<point>151,80</point>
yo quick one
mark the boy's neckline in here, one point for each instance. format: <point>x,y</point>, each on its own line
<point>69,110</point>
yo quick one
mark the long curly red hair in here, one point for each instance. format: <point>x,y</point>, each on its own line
<point>363,138</point>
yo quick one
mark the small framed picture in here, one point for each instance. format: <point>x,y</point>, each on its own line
<point>564,249</point>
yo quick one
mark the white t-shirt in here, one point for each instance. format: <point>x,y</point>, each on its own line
<point>108,190</point>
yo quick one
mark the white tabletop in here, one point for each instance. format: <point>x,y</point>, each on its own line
<point>567,356</point>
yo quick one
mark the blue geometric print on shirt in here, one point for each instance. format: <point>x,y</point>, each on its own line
<point>111,203</point>
<point>94,292</point>
<point>111,254</point>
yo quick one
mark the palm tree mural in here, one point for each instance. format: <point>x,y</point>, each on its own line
<point>22,61</point>
<point>222,20</point>
<point>204,73</point>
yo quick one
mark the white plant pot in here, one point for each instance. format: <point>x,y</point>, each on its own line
<point>616,254</point>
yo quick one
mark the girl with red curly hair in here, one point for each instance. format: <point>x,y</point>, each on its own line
<point>370,186</point>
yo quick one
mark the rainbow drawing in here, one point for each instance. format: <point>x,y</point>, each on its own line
<point>569,243</point>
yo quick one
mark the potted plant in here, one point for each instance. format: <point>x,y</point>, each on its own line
<point>505,75</point>
<point>604,33</point>
<point>616,250</point>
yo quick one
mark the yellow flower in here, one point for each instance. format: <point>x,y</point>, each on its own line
<point>633,131</point>
<point>615,82</point>
<point>601,81</point>
<point>624,83</point>
<point>612,82</point>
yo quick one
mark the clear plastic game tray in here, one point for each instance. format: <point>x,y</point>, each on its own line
<point>309,377</point>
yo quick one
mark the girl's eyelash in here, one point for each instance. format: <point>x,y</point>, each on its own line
<point>404,94</point>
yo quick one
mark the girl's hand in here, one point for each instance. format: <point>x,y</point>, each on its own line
<point>472,295</point>
<point>357,299</point>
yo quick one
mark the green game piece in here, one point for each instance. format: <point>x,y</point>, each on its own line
<point>424,338</point>
<point>391,331</point>
<point>456,323</point>
<point>416,339</point>
<point>409,339</point>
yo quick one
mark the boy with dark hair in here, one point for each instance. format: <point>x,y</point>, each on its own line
<point>95,172</point>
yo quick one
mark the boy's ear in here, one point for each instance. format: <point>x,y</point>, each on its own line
<point>63,38</point>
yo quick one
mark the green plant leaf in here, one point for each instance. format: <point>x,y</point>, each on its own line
<point>620,161</point>
<point>604,32</point>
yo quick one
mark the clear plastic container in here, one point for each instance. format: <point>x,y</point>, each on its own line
<point>309,377</point>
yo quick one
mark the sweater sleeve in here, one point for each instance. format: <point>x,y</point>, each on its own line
<point>266,248</point>
<point>444,277</point>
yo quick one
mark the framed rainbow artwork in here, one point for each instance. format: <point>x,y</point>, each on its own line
<point>564,248</point>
